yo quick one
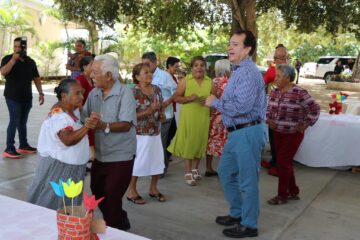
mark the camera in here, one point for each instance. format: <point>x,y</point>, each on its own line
<point>23,46</point>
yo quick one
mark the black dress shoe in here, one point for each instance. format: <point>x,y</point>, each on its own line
<point>210,174</point>
<point>240,231</point>
<point>227,220</point>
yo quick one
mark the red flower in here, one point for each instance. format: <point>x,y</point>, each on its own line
<point>90,203</point>
<point>335,107</point>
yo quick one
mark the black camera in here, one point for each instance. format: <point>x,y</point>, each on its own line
<point>23,46</point>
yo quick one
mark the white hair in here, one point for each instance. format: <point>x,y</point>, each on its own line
<point>109,64</point>
<point>221,67</point>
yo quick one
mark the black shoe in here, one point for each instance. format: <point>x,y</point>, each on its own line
<point>11,154</point>
<point>227,220</point>
<point>210,174</point>
<point>125,225</point>
<point>27,149</point>
<point>240,231</point>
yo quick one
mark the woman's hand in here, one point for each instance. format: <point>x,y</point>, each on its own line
<point>271,123</point>
<point>301,127</point>
<point>155,105</point>
<point>166,103</point>
<point>193,97</point>
<point>92,121</point>
<point>201,100</point>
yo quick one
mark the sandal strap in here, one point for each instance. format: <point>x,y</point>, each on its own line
<point>189,174</point>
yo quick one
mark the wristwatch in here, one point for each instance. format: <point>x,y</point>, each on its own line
<point>41,94</point>
<point>107,129</point>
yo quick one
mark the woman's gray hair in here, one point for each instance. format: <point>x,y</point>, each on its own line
<point>287,70</point>
<point>221,67</point>
<point>109,64</point>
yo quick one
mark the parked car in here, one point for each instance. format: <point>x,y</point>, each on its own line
<point>308,70</point>
<point>325,65</point>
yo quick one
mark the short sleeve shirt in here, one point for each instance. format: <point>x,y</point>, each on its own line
<point>18,80</point>
<point>166,83</point>
<point>118,106</point>
<point>149,125</point>
<point>49,143</point>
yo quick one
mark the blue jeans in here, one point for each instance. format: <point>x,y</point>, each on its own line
<point>239,173</point>
<point>18,114</point>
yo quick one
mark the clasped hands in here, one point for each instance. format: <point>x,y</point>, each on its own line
<point>93,120</point>
<point>207,101</point>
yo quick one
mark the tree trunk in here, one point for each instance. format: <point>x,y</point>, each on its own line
<point>93,37</point>
<point>356,69</point>
<point>244,17</point>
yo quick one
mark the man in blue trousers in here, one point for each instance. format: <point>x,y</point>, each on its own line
<point>243,108</point>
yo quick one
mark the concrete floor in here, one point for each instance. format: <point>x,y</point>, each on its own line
<point>329,208</point>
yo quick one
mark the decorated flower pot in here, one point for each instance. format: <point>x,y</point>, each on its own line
<point>75,226</point>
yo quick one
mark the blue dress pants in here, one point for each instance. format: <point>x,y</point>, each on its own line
<point>239,172</point>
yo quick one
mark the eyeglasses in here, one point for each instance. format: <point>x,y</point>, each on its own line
<point>282,58</point>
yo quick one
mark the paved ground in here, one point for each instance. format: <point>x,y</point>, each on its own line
<point>329,208</point>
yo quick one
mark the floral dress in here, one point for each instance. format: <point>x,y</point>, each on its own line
<point>148,161</point>
<point>217,132</point>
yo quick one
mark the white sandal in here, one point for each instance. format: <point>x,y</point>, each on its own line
<point>189,179</point>
<point>196,174</point>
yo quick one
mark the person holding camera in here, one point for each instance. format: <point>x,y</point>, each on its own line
<point>19,71</point>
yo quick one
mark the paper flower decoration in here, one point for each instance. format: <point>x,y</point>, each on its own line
<point>73,189</point>
<point>58,188</point>
<point>90,203</point>
<point>335,107</point>
<point>339,96</point>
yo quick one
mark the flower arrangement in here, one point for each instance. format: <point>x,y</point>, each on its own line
<point>77,223</point>
<point>336,107</point>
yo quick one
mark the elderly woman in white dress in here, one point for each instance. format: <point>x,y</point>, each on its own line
<point>148,161</point>
<point>63,146</point>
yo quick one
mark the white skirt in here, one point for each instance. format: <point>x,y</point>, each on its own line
<point>149,156</point>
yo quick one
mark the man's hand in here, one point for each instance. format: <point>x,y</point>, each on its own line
<point>93,121</point>
<point>271,123</point>
<point>41,98</point>
<point>15,57</point>
<point>209,100</point>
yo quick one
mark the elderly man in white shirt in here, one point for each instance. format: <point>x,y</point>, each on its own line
<point>165,82</point>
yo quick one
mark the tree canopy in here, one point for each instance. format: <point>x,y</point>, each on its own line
<point>169,17</point>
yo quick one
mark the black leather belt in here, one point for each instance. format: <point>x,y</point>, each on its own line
<point>244,125</point>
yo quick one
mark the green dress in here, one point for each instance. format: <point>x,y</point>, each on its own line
<point>191,137</point>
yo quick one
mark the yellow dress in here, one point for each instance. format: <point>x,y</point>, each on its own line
<point>191,137</point>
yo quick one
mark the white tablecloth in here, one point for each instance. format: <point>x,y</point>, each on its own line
<point>351,106</point>
<point>22,221</point>
<point>333,141</point>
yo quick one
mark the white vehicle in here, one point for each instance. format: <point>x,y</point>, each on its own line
<point>308,70</point>
<point>325,65</point>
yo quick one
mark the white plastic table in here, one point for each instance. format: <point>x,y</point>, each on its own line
<point>332,142</point>
<point>20,220</point>
<point>351,106</point>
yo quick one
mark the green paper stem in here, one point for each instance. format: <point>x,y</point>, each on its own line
<point>72,206</point>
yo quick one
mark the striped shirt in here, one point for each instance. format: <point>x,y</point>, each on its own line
<point>244,98</point>
<point>289,109</point>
